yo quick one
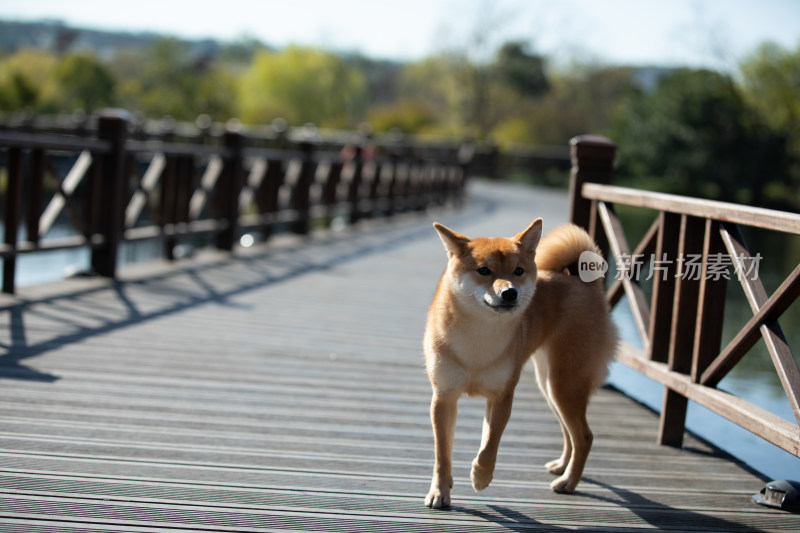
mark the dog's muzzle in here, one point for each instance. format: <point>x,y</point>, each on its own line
<point>508,301</point>
<point>509,296</point>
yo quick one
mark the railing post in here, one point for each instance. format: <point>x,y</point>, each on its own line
<point>664,286</point>
<point>269,191</point>
<point>168,185</point>
<point>35,193</point>
<point>592,162</point>
<point>710,305</point>
<point>466,158</point>
<point>493,162</point>
<point>13,201</point>
<point>400,182</point>
<point>112,127</point>
<point>228,189</point>
<point>684,319</point>
<point>354,186</point>
<point>390,186</point>
<point>301,201</point>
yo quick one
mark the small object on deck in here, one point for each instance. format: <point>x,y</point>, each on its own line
<point>780,494</point>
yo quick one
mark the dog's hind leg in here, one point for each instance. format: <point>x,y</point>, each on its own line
<point>444,411</point>
<point>556,466</point>
<point>572,405</point>
<point>498,411</point>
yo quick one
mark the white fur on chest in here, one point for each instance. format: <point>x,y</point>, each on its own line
<point>479,343</point>
<point>484,363</point>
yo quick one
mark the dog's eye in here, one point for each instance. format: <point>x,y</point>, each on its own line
<point>519,271</point>
<point>484,271</point>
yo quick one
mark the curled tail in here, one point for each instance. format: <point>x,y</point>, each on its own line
<point>560,249</point>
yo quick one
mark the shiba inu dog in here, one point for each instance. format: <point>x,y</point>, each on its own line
<point>500,302</point>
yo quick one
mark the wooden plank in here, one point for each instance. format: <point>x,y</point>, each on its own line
<point>710,305</point>
<point>12,204</point>
<point>207,183</point>
<point>35,194</point>
<point>684,318</point>
<point>620,248</point>
<point>773,307</point>
<point>147,186</point>
<point>726,212</point>
<point>751,417</point>
<point>778,348</point>
<point>663,286</point>
<point>687,290</point>
<point>645,248</point>
<point>17,139</point>
<point>67,187</point>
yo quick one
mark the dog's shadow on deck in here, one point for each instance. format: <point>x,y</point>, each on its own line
<point>41,324</point>
<point>645,513</point>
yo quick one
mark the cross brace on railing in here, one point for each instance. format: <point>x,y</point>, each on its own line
<point>681,327</point>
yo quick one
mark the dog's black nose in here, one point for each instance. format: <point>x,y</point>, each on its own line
<point>509,295</point>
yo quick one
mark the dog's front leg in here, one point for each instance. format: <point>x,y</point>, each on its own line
<point>444,411</point>
<point>498,411</point>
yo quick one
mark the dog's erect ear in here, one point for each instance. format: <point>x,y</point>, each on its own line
<point>454,243</point>
<point>529,239</point>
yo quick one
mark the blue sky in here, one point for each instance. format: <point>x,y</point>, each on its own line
<point>714,33</point>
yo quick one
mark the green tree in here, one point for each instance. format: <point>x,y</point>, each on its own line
<point>23,77</point>
<point>695,135</point>
<point>522,70</point>
<point>302,85</point>
<point>409,116</point>
<point>771,85</point>
<point>427,85</point>
<point>168,78</point>
<point>82,82</point>
<point>473,96</point>
<point>583,98</point>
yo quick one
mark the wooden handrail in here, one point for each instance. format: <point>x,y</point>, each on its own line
<point>757,420</point>
<point>738,214</point>
<point>681,326</point>
<point>121,188</point>
<point>66,143</point>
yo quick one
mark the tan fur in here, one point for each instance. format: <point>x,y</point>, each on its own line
<point>477,341</point>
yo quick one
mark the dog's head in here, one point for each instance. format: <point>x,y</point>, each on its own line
<point>498,273</point>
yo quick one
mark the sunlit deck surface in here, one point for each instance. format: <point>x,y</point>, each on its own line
<point>283,390</point>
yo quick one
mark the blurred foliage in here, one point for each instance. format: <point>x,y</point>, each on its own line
<point>168,79</point>
<point>25,78</point>
<point>696,134</point>
<point>301,85</point>
<point>771,86</point>
<point>733,137</point>
<point>83,83</point>
<point>771,79</point>
<point>405,115</point>
<point>693,132</point>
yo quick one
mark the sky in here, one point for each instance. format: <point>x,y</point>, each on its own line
<point>701,33</point>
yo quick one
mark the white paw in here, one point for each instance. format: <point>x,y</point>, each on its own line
<point>438,499</point>
<point>481,476</point>
<point>563,485</point>
<point>556,466</point>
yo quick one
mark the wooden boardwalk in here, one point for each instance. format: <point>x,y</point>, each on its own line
<point>283,390</point>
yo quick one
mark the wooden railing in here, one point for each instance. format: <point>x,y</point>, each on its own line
<point>681,326</point>
<point>119,188</point>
